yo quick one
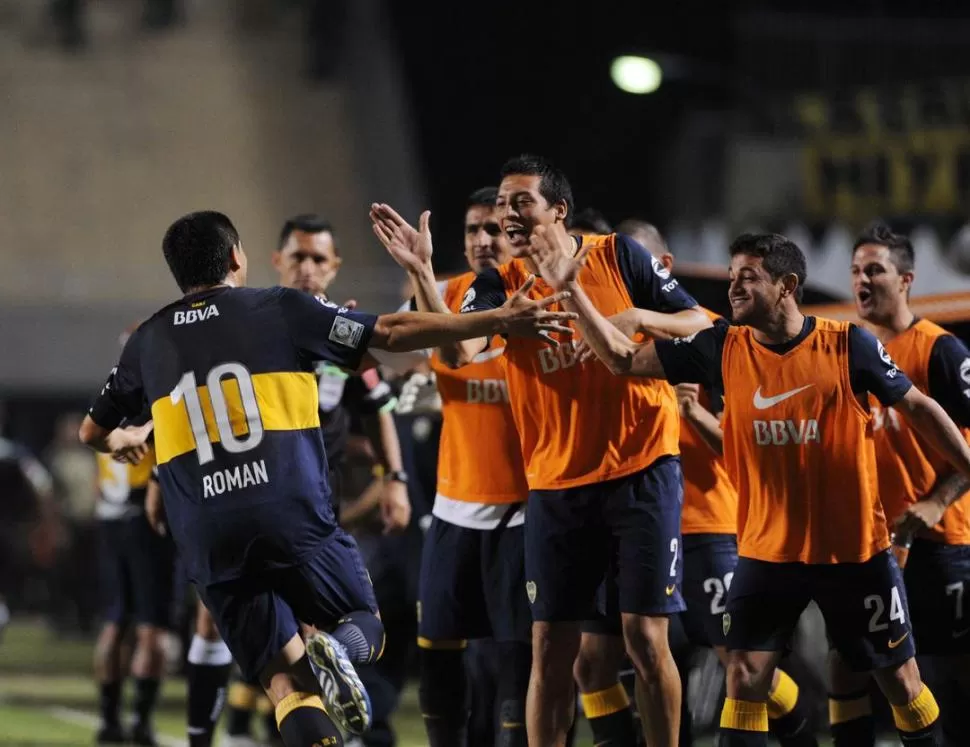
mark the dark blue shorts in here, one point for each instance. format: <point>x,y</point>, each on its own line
<point>709,563</point>
<point>137,572</point>
<point>257,615</point>
<point>625,530</point>
<point>864,606</point>
<point>473,584</point>
<point>937,576</point>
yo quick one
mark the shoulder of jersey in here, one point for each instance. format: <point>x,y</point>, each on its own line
<point>925,327</point>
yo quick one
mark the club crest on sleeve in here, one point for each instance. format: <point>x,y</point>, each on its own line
<point>965,371</point>
<point>346,332</point>
<point>468,299</point>
<point>662,272</point>
<point>530,589</point>
<point>685,340</point>
<point>726,623</point>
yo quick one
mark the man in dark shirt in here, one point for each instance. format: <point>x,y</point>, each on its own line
<point>227,373</point>
<point>798,446</point>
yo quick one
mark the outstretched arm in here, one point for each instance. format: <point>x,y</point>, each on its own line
<point>412,249</point>
<point>617,351</point>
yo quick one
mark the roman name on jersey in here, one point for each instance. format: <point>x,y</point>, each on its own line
<point>191,316</point>
<point>783,432</point>
<point>553,359</point>
<point>487,391</point>
<point>226,480</point>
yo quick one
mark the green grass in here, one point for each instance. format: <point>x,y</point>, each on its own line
<point>41,676</point>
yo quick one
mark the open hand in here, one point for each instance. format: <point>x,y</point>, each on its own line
<point>525,317</point>
<point>129,444</point>
<point>410,247</point>
<point>554,252</point>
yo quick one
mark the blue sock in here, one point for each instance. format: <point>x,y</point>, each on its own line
<point>362,635</point>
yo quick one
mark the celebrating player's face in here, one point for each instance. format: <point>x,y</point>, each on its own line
<point>877,286</point>
<point>485,244</point>
<point>752,292</point>
<point>307,262</point>
<point>521,207</point>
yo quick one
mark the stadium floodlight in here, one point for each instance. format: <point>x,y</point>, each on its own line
<point>635,74</point>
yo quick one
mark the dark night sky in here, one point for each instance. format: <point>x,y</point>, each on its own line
<point>493,80</point>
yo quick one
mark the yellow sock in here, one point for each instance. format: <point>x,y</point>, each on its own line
<point>604,702</point>
<point>242,697</point>
<point>744,715</point>
<point>296,700</point>
<point>917,714</point>
<point>783,696</point>
<point>843,710</point>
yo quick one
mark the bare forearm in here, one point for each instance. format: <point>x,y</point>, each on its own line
<point>662,326</point>
<point>619,353</point>
<point>428,299</point>
<point>610,345</point>
<point>950,488</point>
<point>414,330</point>
<point>383,436</point>
<point>708,427</point>
<point>93,435</point>
<point>930,420</point>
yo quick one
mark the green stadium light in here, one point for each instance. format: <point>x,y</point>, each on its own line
<point>635,74</point>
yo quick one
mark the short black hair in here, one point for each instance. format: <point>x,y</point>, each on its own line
<point>780,256</point>
<point>308,223</point>
<point>591,220</point>
<point>553,184</point>
<point>899,246</point>
<point>198,248</point>
<point>482,197</point>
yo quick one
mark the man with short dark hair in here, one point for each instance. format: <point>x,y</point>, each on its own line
<point>937,567</point>
<point>227,373</point>
<point>600,458</point>
<point>798,446</point>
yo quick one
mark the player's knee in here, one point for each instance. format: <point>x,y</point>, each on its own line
<point>598,662</point>
<point>442,685</point>
<point>554,648</point>
<point>646,642</point>
<point>842,679</point>
<point>902,684</point>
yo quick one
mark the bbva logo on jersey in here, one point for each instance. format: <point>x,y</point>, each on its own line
<point>191,316</point>
<point>783,432</point>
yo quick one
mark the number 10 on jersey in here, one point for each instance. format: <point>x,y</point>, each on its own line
<point>187,391</point>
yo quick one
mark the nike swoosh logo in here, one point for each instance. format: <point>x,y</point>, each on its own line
<point>960,633</point>
<point>895,644</point>
<point>763,403</point>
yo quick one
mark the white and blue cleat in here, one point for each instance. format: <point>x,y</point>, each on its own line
<point>344,695</point>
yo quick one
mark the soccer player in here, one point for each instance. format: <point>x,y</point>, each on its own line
<point>798,446</point>
<point>709,518</point>
<point>909,471</point>
<point>472,582</point>
<point>600,455</point>
<point>227,372</point>
<point>307,258</point>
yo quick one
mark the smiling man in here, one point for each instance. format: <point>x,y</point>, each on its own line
<point>600,455</point>
<point>798,446</point>
<point>909,470</point>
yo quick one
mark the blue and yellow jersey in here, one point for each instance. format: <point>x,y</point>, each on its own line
<point>229,376</point>
<point>122,487</point>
